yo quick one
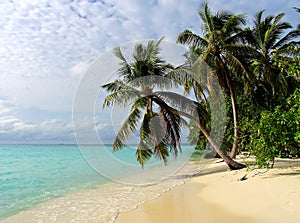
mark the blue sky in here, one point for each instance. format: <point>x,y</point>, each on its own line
<point>47,45</point>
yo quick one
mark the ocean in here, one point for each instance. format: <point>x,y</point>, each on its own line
<point>32,175</point>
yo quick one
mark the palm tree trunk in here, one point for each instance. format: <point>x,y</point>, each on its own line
<point>232,164</point>
<point>235,147</point>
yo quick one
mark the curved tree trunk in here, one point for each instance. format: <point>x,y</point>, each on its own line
<point>235,146</point>
<point>232,164</point>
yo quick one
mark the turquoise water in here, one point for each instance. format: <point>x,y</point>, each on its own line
<point>32,174</point>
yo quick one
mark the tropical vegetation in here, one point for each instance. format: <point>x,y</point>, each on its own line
<point>258,69</point>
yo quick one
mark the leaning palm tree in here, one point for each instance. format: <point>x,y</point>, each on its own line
<point>222,47</point>
<point>156,115</point>
<point>135,86</point>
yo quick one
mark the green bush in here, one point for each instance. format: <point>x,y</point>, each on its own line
<point>277,134</point>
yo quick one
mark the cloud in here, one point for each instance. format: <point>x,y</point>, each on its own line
<point>6,107</point>
<point>15,129</point>
<point>47,45</point>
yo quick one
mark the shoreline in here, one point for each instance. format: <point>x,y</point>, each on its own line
<point>102,203</point>
<point>217,195</point>
<point>210,195</point>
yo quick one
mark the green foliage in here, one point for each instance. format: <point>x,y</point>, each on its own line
<point>257,68</point>
<point>288,61</point>
<point>277,134</point>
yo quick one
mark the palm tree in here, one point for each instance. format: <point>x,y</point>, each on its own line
<point>268,37</point>
<point>132,88</point>
<point>159,123</point>
<point>222,46</point>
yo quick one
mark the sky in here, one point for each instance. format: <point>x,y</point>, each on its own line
<point>46,46</point>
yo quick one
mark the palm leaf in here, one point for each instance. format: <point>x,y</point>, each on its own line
<point>187,37</point>
<point>285,41</point>
<point>121,97</point>
<point>129,126</point>
<point>161,151</point>
<point>206,17</point>
<point>182,76</point>
<point>114,86</point>
<point>118,53</point>
<point>181,103</point>
<point>171,120</point>
<point>145,130</point>
<point>143,153</point>
<point>232,24</point>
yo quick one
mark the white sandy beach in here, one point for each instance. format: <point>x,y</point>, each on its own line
<point>218,195</point>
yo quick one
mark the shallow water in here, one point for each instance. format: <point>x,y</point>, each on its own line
<point>32,175</point>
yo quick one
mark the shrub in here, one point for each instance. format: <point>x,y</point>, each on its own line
<point>277,134</point>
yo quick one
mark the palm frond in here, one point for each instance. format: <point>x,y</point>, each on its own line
<point>121,97</point>
<point>152,50</point>
<point>145,130</point>
<point>285,41</point>
<point>152,139</point>
<point>233,62</point>
<point>206,17</point>
<point>187,37</point>
<point>232,24</point>
<point>161,151</point>
<point>182,76</point>
<point>129,126</point>
<point>171,120</point>
<point>278,18</point>
<point>158,138</point>
<point>181,103</point>
<point>114,86</point>
<point>143,153</point>
<point>118,53</point>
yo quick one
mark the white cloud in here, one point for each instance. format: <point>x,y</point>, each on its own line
<point>6,108</point>
<point>15,129</point>
<point>47,45</point>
